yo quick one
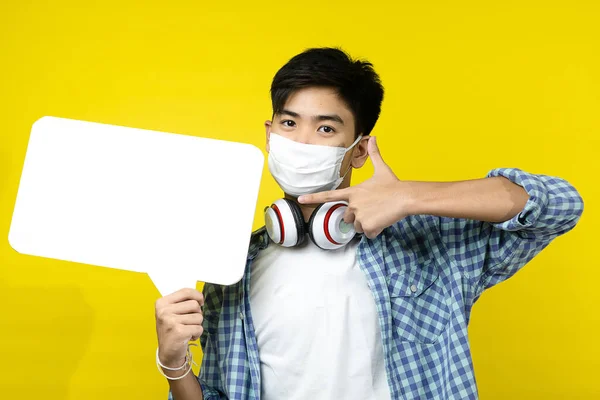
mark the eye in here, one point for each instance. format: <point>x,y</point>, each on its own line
<point>288,122</point>
<point>326,129</point>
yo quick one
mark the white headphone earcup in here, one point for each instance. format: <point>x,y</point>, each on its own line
<point>327,228</point>
<point>284,223</point>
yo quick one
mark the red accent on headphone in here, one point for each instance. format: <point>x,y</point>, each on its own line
<point>280,222</point>
<point>326,223</point>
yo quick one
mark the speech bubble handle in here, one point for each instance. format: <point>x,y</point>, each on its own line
<point>169,283</point>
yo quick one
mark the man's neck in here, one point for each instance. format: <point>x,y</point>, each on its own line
<point>307,209</point>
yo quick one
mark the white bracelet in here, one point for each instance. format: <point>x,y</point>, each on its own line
<point>185,362</point>
<point>189,362</point>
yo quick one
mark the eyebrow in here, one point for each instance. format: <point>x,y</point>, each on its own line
<point>324,117</point>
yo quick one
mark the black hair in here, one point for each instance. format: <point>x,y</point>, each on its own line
<point>355,81</point>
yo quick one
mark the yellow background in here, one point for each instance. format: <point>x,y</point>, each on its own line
<point>470,87</point>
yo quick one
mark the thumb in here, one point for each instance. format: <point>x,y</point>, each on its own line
<point>375,155</point>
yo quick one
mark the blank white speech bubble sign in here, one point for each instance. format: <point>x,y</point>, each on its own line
<point>178,207</point>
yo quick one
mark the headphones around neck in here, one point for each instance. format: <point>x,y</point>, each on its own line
<point>326,227</point>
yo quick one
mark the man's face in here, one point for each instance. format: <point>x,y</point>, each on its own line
<point>318,116</point>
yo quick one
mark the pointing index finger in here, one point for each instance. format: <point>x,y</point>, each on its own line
<point>324,197</point>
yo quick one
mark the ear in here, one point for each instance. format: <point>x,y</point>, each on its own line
<point>268,132</point>
<point>361,152</point>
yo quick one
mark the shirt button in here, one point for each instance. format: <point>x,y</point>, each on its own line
<point>413,288</point>
<point>242,316</point>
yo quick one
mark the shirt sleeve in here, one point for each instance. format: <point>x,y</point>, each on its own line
<point>491,253</point>
<point>210,375</point>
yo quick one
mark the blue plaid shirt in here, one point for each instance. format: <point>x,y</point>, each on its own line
<point>425,273</point>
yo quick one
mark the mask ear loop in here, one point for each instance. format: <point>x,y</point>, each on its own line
<point>347,150</point>
<point>355,142</point>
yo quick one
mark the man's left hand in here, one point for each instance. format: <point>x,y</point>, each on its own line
<point>374,204</point>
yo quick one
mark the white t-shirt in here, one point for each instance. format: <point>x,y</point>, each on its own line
<point>316,325</point>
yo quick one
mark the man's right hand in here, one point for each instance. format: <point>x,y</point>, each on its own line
<point>178,321</point>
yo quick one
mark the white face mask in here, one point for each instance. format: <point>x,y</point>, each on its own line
<point>301,169</point>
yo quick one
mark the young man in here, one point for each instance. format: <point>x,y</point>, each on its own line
<point>386,315</point>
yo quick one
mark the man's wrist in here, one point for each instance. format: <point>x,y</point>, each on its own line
<point>411,196</point>
<point>175,365</point>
